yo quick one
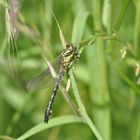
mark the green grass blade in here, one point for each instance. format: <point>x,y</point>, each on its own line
<point>122,14</point>
<point>52,123</point>
<point>78,28</point>
<point>99,92</point>
<point>137,28</point>
<point>82,108</point>
<point>128,81</point>
<point>76,94</point>
<point>119,22</point>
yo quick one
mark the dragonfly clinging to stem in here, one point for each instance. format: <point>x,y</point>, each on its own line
<point>67,59</point>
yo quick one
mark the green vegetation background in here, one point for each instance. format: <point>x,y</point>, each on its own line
<point>107,75</point>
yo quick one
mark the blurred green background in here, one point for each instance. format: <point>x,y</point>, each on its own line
<point>107,75</point>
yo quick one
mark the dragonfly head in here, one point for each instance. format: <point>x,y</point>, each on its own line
<point>70,47</point>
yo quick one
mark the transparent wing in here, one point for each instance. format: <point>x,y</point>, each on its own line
<point>44,79</point>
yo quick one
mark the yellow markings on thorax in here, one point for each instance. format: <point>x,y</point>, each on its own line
<point>68,56</point>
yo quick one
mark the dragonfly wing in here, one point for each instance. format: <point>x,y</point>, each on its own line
<point>39,81</point>
<point>43,80</point>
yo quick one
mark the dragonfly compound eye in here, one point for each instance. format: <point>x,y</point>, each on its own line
<point>69,45</point>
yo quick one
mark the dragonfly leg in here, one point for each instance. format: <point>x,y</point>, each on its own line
<point>75,60</point>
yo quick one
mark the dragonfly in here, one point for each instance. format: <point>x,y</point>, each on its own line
<point>68,57</point>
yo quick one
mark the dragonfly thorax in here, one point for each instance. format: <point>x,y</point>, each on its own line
<point>68,57</point>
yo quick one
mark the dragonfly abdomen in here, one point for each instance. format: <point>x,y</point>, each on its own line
<point>48,110</point>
